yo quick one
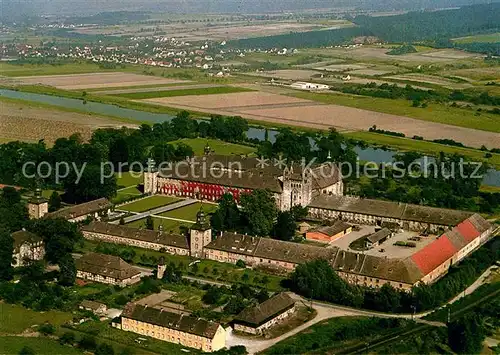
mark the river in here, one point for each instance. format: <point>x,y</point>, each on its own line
<point>376,155</point>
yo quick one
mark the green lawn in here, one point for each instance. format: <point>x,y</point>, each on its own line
<point>482,38</point>
<point>189,212</point>
<point>12,345</point>
<point>126,179</point>
<point>15,319</point>
<point>218,146</point>
<point>433,113</point>
<point>149,203</point>
<point>181,92</point>
<point>408,144</point>
<point>169,226</point>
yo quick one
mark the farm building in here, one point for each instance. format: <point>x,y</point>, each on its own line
<point>106,269</point>
<point>172,327</point>
<point>96,209</point>
<point>27,246</point>
<point>378,237</point>
<point>302,85</point>
<point>330,233</point>
<point>95,307</point>
<point>142,238</point>
<point>256,319</point>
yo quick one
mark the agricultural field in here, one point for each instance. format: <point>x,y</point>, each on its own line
<point>286,74</point>
<point>189,212</point>
<point>430,79</point>
<point>218,146</point>
<point>183,92</point>
<point>223,101</point>
<point>482,38</point>
<point>16,319</point>
<point>30,122</point>
<point>148,203</point>
<point>42,346</point>
<point>96,80</point>
<point>379,53</point>
<point>481,74</point>
<point>14,70</point>
<point>149,88</point>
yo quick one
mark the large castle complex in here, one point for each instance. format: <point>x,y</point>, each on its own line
<point>211,176</point>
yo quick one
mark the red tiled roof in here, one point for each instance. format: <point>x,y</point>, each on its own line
<point>434,254</point>
<point>468,231</point>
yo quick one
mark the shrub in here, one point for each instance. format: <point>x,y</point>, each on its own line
<point>240,263</point>
<point>67,338</point>
<point>47,329</point>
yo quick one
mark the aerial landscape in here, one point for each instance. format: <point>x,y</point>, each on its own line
<point>249,177</point>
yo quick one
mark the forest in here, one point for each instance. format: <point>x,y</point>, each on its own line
<point>419,26</point>
<point>309,39</point>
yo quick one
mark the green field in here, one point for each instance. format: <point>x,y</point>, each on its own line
<point>149,203</point>
<point>432,149</point>
<point>181,92</point>
<point>169,226</point>
<point>220,147</point>
<point>126,179</point>
<point>12,345</point>
<point>189,212</point>
<point>483,38</point>
<point>433,113</point>
<point>15,319</point>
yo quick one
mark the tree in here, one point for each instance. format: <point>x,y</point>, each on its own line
<point>67,271</point>
<point>54,202</point>
<point>6,250</point>
<point>59,236</point>
<point>104,349</point>
<point>67,338</point>
<point>87,342</point>
<point>227,215</point>
<point>150,224</point>
<point>240,263</point>
<point>212,296</point>
<point>26,350</point>
<point>466,334</point>
<point>260,211</point>
<point>122,221</point>
<point>285,226</point>
<point>91,185</point>
<point>10,195</point>
<point>235,305</point>
<point>299,212</point>
<point>47,329</point>
<point>172,273</point>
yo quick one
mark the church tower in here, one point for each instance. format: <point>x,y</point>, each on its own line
<point>150,178</point>
<point>38,206</point>
<point>200,234</point>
